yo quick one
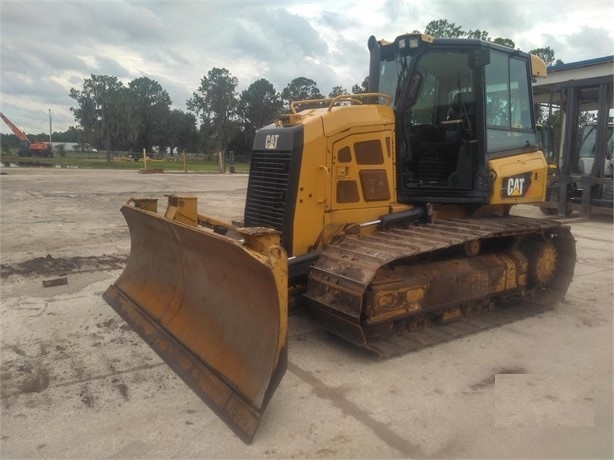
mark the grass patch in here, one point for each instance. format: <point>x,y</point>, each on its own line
<point>98,161</point>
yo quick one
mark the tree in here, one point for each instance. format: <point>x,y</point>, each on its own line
<point>504,42</point>
<point>300,89</point>
<point>337,91</point>
<point>362,88</point>
<point>60,150</point>
<point>102,111</point>
<point>215,102</point>
<point>70,135</point>
<point>180,131</point>
<point>150,113</point>
<point>241,141</point>
<point>112,116</point>
<point>478,34</point>
<point>546,54</point>
<point>258,106</point>
<point>441,28</point>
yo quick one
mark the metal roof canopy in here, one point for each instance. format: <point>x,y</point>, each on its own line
<point>587,74</point>
<point>575,88</point>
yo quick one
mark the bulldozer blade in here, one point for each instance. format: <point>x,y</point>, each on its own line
<point>214,310</point>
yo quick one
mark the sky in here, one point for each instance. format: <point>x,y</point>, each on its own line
<point>49,47</point>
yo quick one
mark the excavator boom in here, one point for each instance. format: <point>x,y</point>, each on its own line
<point>18,132</point>
<point>28,148</point>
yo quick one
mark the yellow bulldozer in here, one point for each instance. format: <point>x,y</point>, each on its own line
<point>386,215</point>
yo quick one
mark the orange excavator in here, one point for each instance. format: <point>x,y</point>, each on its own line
<point>28,148</point>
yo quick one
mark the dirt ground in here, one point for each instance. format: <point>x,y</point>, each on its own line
<point>76,382</point>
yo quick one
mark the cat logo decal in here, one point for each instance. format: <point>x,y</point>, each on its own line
<point>270,142</point>
<point>516,186</point>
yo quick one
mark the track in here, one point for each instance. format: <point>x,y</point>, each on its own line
<point>342,274</point>
<point>440,333</point>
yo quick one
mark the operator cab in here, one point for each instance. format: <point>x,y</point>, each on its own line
<point>458,103</point>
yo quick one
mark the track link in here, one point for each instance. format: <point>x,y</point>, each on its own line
<point>339,279</point>
<point>408,341</point>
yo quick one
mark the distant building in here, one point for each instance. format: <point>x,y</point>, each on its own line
<point>74,147</point>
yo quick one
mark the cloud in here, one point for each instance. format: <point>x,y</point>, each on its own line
<point>587,41</point>
<point>109,66</point>
<point>47,47</point>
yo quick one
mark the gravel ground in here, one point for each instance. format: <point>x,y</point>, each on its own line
<point>76,382</point>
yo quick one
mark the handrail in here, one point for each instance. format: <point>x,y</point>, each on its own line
<point>352,98</point>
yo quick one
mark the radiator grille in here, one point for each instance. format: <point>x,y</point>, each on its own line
<point>266,192</point>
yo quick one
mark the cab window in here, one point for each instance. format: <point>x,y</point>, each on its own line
<point>508,103</point>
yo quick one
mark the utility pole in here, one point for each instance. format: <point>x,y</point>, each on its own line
<point>50,126</point>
